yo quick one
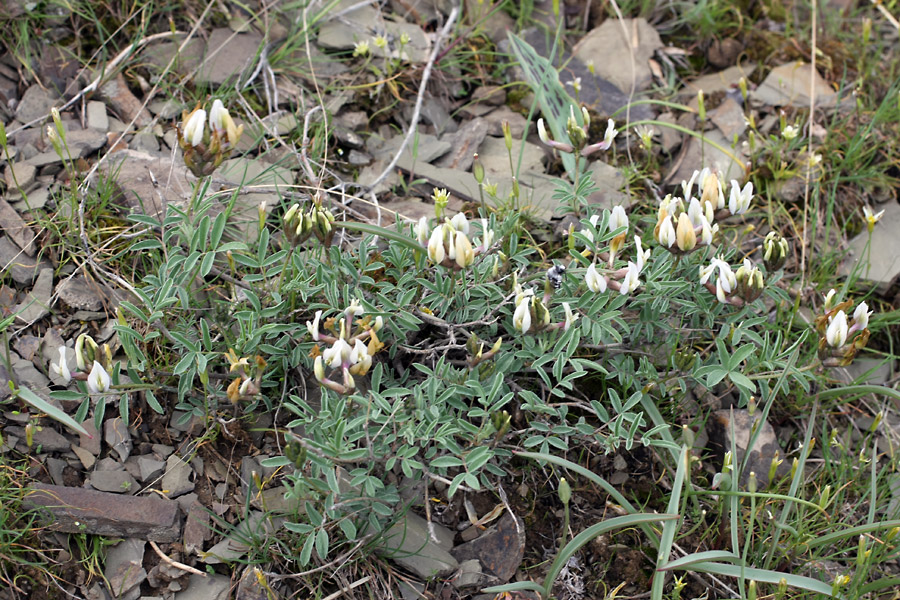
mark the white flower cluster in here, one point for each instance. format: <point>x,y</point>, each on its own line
<point>350,353</point>
<point>531,312</point>
<point>686,223</point>
<point>625,280</point>
<point>839,330</point>
<point>448,243</point>
<point>747,284</point>
<point>87,352</point>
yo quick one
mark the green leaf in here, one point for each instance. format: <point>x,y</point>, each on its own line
<point>764,575</point>
<point>29,397</point>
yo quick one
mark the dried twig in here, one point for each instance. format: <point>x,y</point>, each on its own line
<point>175,563</point>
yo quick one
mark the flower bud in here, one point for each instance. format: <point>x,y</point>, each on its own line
<point>478,169</point>
<point>750,283</point>
<point>507,136</point>
<point>565,492</point>
<point>465,254</point>
<point>701,106</point>
<point>684,234</point>
<point>775,251</point>
<point>837,331</point>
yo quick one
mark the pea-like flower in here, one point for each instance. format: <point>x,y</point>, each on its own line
<point>313,327</point>
<point>464,253</point>
<point>436,251</point>
<point>861,316</point>
<point>871,218</point>
<point>666,235</point>
<point>338,354</point>
<point>684,234</point>
<point>739,202</point>
<point>522,315</point>
<point>775,251</point>
<point>630,282</point>
<point>98,380</point>
<point>195,127</point>
<point>570,317</point>
<point>420,230</point>
<point>62,368</point>
<point>641,255</point>
<point>594,280</point>
<point>836,334</point>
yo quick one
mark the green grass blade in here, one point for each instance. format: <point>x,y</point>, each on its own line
<point>388,234</point>
<point>852,532</point>
<point>670,528</point>
<point>764,575</point>
<point>698,557</point>
<point>859,390</point>
<point>42,405</point>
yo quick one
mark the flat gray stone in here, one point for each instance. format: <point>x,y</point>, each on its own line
<point>124,569</point>
<point>117,437</point>
<point>233,546</point>
<point>464,143</point>
<point>36,199</point>
<point>729,118</point>
<point>409,544</point>
<point>16,228</point>
<point>177,480</point>
<point>55,467</point>
<point>81,294</point>
<point>500,549</point>
<point>37,303</point>
<point>96,116</point>
<point>610,51</point>
<point>144,142</point>
<point>426,149</point>
<point>700,155</point>
<point>157,56</point>
<point>228,55</point>
<point>84,142</point>
<point>166,109</point>
<point>356,25</point>
<point>206,587</point>
<point>35,104</point>
<point>197,528</point>
<point>90,442</point>
<point>79,510</point>
<point>789,84</point>
<point>87,459</point>
<point>20,175</point>
<point>114,482</point>
<point>719,428</point>
<point>249,171</point>
<point>722,81</point>
<point>28,376</point>
<point>884,267</point>
<point>150,468</point>
<point>609,181</point>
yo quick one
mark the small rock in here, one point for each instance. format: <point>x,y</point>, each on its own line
<point>166,109</point>
<point>499,550</point>
<point>114,482</point>
<point>84,142</point>
<point>46,438</point>
<point>37,198</point>
<point>90,443</point>
<point>117,436</point>
<point>425,150</point>
<point>234,546</point>
<point>719,429</point>
<point>80,293</point>
<point>177,480</point>
<point>124,569</point>
<point>789,84</point>
<point>253,586</point>
<point>464,142</point>
<point>27,347</point>
<point>353,120</point>
<point>228,55</point>
<point>37,303</point>
<point>96,116</point>
<point>87,459</point>
<point>55,467</point>
<point>884,267</point>
<point>249,171</point>
<point>22,267</point>
<point>19,175</point>
<point>670,138</point>
<point>78,510</point>
<point>149,468</point>
<point>723,81</point>
<point>504,114</point>
<point>144,142</point>
<point>158,56</point>
<point>206,587</point>
<point>729,118</point>
<point>490,94</point>
<point>35,104</point>
<point>197,528</point>
<point>358,159</point>
<point>469,533</point>
<point>348,138</point>
<point>18,231</point>
<point>409,544</point>
<point>469,575</point>
<point>611,52</point>
<point>727,164</point>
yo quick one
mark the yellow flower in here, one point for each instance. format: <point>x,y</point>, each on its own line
<point>871,218</point>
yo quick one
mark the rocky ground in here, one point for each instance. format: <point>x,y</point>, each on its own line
<point>180,501</point>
